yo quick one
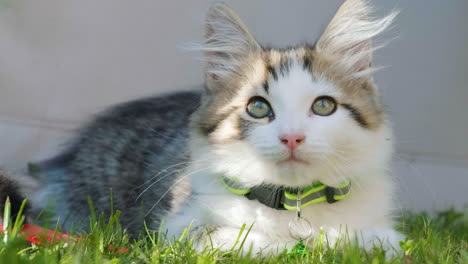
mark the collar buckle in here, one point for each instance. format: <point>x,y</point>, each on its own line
<point>270,196</point>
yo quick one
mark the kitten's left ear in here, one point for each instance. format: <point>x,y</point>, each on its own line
<point>348,36</point>
<point>227,42</point>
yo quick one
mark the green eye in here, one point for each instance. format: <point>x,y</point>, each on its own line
<point>258,107</point>
<point>324,106</point>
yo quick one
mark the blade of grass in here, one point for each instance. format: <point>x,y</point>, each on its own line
<point>18,225</point>
<point>6,219</point>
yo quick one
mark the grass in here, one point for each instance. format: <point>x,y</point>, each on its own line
<point>439,239</point>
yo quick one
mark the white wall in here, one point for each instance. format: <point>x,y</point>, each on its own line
<point>61,61</point>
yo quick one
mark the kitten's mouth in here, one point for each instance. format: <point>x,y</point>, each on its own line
<point>293,160</point>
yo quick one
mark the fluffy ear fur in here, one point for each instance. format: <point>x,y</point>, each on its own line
<point>348,36</point>
<point>228,43</point>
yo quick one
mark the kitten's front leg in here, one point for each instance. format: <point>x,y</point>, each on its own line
<point>388,238</point>
<point>228,238</point>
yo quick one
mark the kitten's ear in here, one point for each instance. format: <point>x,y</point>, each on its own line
<point>348,36</point>
<point>228,42</point>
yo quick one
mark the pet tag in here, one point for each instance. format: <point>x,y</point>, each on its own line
<point>299,227</point>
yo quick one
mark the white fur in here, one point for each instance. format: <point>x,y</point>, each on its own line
<point>335,149</point>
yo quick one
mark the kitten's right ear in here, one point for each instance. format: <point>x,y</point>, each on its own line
<point>227,44</point>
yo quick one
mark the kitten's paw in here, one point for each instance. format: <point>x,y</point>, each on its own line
<point>202,238</point>
<point>387,238</point>
<point>228,239</point>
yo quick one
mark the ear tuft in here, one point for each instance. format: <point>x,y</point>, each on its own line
<point>348,36</point>
<point>227,41</point>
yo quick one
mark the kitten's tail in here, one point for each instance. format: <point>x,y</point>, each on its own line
<point>21,184</point>
<point>10,188</point>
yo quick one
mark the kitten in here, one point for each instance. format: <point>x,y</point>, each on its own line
<point>269,123</point>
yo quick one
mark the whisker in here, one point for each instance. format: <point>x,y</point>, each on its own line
<point>152,184</point>
<point>161,171</point>
<point>161,178</point>
<point>170,188</point>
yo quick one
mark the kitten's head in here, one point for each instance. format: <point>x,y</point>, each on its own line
<point>291,116</point>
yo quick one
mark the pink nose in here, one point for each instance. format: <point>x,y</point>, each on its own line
<point>292,141</point>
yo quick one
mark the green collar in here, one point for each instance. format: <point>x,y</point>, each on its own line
<point>282,198</point>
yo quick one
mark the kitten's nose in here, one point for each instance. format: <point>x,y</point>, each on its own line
<point>292,141</point>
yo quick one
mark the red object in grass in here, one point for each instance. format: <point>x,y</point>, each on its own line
<point>36,235</point>
<point>120,250</point>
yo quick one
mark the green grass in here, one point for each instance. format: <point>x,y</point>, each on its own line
<point>440,239</point>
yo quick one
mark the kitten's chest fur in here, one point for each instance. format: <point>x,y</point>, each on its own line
<point>212,204</point>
